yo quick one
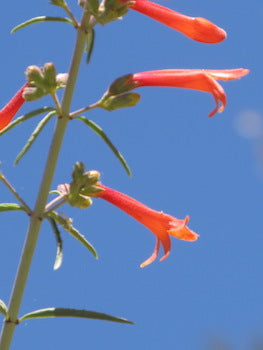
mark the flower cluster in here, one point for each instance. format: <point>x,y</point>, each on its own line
<point>86,185</point>
<point>162,225</point>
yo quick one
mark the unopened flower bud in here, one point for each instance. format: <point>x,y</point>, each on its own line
<point>78,170</point>
<point>35,76</point>
<point>49,72</point>
<point>92,176</point>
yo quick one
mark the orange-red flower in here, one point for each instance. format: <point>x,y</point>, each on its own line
<point>196,28</point>
<point>8,112</point>
<point>197,79</point>
<point>162,225</point>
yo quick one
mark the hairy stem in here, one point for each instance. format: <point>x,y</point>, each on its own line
<point>36,218</point>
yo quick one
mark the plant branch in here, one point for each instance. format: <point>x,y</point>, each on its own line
<point>67,9</point>
<point>83,110</point>
<point>13,190</point>
<point>57,103</point>
<point>36,218</point>
<point>56,203</point>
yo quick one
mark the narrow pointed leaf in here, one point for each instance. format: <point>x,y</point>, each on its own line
<point>64,312</point>
<point>67,225</point>
<point>90,43</point>
<point>98,130</point>
<point>10,207</point>
<point>3,308</point>
<point>25,117</point>
<point>34,135</point>
<point>59,254</point>
<point>41,19</point>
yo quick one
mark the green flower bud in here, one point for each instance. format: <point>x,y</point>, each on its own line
<point>49,72</point>
<point>92,177</point>
<point>78,171</point>
<point>35,76</point>
<point>80,201</point>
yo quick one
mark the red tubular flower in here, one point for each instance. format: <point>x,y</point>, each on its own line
<point>197,79</point>
<point>196,28</point>
<point>162,225</point>
<point>8,112</point>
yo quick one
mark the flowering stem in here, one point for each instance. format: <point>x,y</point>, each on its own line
<point>67,9</point>
<point>36,218</point>
<point>57,103</point>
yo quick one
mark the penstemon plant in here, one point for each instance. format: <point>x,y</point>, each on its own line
<point>85,186</point>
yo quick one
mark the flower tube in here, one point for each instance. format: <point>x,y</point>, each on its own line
<point>196,28</point>
<point>160,224</point>
<point>197,79</point>
<point>8,112</point>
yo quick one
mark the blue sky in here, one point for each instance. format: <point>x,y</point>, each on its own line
<point>182,162</point>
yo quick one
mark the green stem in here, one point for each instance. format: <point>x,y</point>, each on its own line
<point>83,110</point>
<point>36,218</point>
<point>13,190</point>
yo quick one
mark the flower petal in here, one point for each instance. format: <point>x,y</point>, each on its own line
<point>153,256</point>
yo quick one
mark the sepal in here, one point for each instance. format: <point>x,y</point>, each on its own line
<point>121,85</point>
<point>113,102</point>
<point>111,10</point>
<point>60,3</point>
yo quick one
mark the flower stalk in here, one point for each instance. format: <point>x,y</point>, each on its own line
<point>36,218</point>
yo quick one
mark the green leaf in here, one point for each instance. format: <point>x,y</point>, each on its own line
<point>66,223</point>
<point>25,117</point>
<point>98,130</point>
<point>64,312</point>
<point>3,308</point>
<point>41,19</point>
<point>10,207</point>
<point>90,43</point>
<point>34,135</point>
<point>59,254</point>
